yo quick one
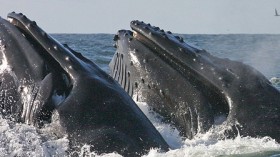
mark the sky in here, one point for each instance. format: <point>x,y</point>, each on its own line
<point>179,16</point>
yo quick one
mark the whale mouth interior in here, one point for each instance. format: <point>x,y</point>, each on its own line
<point>146,35</point>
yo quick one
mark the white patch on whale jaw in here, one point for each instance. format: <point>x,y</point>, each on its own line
<point>27,92</point>
<point>134,59</point>
<point>30,105</point>
<point>3,61</point>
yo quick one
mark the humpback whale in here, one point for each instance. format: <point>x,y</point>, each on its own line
<point>191,88</point>
<point>39,76</point>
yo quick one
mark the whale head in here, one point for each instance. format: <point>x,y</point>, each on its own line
<point>92,107</point>
<point>192,88</point>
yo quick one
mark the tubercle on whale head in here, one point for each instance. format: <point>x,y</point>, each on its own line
<point>148,29</point>
<point>120,33</point>
<point>154,34</point>
<point>174,49</point>
<point>67,60</point>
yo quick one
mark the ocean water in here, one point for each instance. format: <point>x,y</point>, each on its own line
<point>259,51</point>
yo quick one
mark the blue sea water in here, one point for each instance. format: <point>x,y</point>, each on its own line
<point>259,51</point>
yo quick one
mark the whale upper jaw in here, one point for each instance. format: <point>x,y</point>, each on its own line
<point>232,88</point>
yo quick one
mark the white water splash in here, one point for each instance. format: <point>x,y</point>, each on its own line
<point>240,146</point>
<point>209,144</point>
<point>275,82</point>
<point>168,132</point>
<point>25,140</point>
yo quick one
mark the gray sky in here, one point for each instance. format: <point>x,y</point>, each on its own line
<point>180,16</point>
